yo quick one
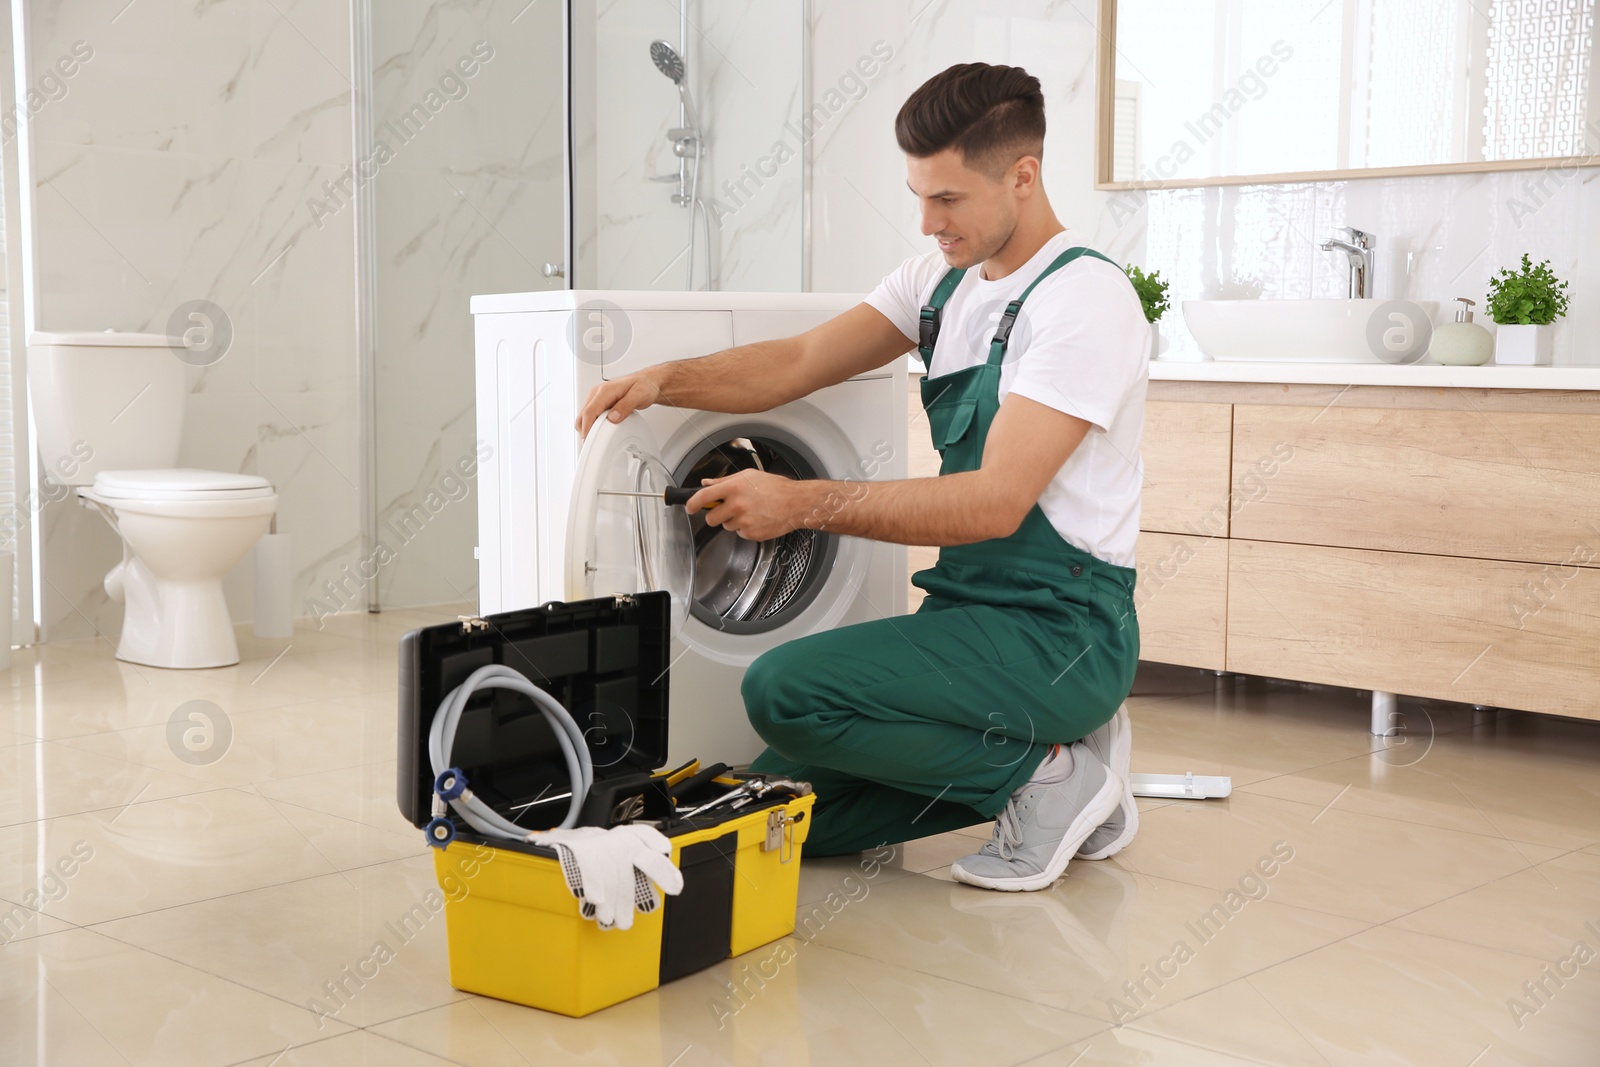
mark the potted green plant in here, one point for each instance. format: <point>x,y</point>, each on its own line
<point>1523,303</point>
<point>1152,290</point>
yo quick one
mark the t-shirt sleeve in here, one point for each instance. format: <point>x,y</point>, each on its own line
<point>1088,344</point>
<point>899,296</point>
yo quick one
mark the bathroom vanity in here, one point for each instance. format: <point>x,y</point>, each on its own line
<point>1420,530</point>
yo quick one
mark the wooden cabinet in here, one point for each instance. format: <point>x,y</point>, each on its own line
<point>1438,626</point>
<point>1187,454</point>
<point>1489,485</point>
<point>1182,599</point>
<point>1431,542</point>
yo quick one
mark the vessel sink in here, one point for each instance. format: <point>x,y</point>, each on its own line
<point>1311,331</point>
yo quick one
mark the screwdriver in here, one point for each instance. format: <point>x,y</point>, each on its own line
<point>672,496</point>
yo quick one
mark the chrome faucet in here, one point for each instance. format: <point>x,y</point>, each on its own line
<point>1359,249</point>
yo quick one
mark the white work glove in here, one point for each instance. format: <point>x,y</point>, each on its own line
<point>610,871</point>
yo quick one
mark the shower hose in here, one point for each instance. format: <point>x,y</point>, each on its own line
<point>450,784</point>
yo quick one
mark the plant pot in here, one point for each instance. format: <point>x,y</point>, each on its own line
<point>1155,340</point>
<point>1523,346</point>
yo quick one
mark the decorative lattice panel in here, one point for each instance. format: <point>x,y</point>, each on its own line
<point>1538,62</point>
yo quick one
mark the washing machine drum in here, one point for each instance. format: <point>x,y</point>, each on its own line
<point>620,540</point>
<point>738,580</point>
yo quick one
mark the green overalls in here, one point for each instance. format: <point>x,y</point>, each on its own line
<point>924,723</point>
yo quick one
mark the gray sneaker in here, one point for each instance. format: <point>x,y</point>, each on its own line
<point>1113,744</point>
<point>1042,826</point>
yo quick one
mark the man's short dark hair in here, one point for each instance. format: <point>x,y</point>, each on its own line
<point>993,115</point>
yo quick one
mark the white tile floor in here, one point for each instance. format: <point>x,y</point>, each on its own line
<point>190,908</point>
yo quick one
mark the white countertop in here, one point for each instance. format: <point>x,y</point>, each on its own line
<point>1291,372</point>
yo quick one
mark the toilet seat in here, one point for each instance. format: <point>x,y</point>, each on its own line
<point>182,492</point>
<point>182,483</point>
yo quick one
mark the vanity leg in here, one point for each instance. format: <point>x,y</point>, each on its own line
<point>1384,719</point>
<point>1482,715</point>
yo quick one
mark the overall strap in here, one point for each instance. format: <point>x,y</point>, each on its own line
<point>1002,333</point>
<point>928,326</point>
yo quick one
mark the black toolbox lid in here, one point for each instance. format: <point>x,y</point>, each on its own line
<point>605,660</point>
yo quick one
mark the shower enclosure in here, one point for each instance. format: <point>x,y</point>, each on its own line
<point>521,146</point>
<point>675,104</point>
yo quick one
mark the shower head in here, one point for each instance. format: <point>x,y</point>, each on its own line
<point>667,60</point>
<point>670,63</point>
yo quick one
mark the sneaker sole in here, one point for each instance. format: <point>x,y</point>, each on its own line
<point>1130,827</point>
<point>1130,808</point>
<point>1095,813</point>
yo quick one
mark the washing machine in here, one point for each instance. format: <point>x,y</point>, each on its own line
<point>555,523</point>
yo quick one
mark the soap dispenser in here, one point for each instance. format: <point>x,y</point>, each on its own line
<point>1462,343</point>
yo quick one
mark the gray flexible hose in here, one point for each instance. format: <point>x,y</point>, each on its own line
<point>442,738</point>
<point>694,206</point>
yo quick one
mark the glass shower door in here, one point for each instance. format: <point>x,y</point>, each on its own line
<point>463,163</point>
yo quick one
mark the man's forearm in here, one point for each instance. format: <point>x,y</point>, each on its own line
<point>753,377</point>
<point>952,509</point>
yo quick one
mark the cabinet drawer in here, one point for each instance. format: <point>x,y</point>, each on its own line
<point>1182,599</point>
<point>1185,449</point>
<point>1488,484</point>
<point>1513,635</point>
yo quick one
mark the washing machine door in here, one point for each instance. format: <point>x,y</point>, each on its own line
<point>619,543</point>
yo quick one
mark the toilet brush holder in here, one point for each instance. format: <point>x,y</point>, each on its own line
<point>274,616</point>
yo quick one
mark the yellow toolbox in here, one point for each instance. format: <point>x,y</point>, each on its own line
<point>515,932</point>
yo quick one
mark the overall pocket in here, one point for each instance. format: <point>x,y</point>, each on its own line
<point>950,420</point>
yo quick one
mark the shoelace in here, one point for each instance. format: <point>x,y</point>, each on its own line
<point>1007,830</point>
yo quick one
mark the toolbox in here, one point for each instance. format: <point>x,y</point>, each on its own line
<point>514,929</point>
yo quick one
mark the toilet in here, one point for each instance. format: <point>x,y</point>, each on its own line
<point>109,412</point>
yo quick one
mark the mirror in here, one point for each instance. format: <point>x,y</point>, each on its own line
<point>1237,91</point>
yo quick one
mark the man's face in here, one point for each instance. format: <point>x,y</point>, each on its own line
<point>971,214</point>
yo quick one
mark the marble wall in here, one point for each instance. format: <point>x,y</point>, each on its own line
<point>177,166</point>
<point>1440,236</point>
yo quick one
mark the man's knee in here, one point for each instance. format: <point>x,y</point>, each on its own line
<point>765,684</point>
<point>779,690</point>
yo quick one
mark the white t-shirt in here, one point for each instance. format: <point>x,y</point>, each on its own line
<point>1081,345</point>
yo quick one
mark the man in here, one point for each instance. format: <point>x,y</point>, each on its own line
<point>1000,697</point>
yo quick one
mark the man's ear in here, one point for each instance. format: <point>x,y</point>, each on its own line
<point>1023,176</point>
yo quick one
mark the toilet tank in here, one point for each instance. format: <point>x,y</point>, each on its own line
<point>105,401</point>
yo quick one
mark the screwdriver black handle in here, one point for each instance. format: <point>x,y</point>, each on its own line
<point>678,496</point>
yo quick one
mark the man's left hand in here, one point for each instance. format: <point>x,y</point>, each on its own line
<point>753,504</point>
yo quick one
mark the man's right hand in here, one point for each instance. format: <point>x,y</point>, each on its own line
<point>620,398</point>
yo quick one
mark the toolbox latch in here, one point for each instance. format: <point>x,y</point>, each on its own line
<point>780,834</point>
<point>469,623</point>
